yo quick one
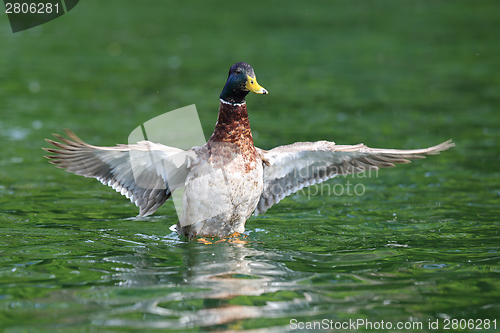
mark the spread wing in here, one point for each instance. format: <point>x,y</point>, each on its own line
<point>288,169</point>
<point>147,173</point>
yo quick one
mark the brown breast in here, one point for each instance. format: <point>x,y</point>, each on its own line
<point>232,137</point>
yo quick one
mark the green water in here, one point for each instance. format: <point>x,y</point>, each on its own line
<point>420,245</point>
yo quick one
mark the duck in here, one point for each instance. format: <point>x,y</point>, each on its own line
<point>227,179</point>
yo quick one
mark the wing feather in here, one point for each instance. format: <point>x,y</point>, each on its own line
<point>288,169</point>
<point>146,173</point>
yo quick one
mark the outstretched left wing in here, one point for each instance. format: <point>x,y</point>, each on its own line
<point>288,169</point>
<point>147,173</point>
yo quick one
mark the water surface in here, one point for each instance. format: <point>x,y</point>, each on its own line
<point>420,245</point>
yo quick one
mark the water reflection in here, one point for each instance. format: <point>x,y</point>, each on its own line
<point>225,284</point>
<point>221,283</point>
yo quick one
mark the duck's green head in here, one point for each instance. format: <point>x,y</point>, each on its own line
<point>240,82</point>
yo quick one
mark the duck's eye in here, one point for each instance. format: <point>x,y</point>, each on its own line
<point>251,81</point>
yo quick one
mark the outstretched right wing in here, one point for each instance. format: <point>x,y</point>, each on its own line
<point>147,173</point>
<point>288,169</point>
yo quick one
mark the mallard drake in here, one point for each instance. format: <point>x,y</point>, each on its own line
<point>228,178</point>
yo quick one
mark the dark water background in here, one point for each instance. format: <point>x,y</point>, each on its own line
<point>421,244</point>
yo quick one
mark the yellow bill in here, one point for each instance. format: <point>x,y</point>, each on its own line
<point>254,87</point>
